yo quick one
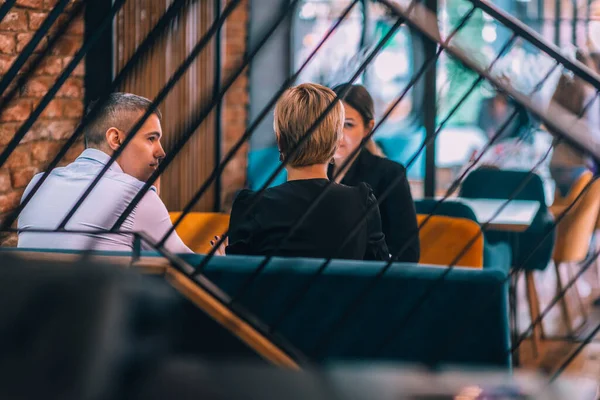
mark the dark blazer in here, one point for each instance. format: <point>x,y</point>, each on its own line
<point>397,209</point>
<point>328,231</point>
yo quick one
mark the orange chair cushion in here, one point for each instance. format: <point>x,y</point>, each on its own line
<point>443,239</point>
<point>197,229</point>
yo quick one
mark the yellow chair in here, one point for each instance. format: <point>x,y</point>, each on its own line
<point>197,229</point>
<point>444,238</point>
<point>577,188</point>
<point>573,237</point>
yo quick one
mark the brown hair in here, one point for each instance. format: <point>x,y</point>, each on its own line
<point>296,112</point>
<point>359,98</point>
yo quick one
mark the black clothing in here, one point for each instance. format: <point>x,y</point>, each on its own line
<point>397,209</point>
<point>320,235</point>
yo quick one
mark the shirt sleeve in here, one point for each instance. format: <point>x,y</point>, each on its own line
<point>376,247</point>
<point>400,219</point>
<point>152,218</point>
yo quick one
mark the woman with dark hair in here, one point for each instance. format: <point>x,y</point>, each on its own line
<point>397,209</point>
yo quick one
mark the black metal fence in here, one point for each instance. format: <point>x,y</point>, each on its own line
<point>414,14</point>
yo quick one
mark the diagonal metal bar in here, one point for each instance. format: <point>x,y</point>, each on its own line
<point>5,8</point>
<point>20,134</point>
<point>426,65</point>
<point>30,47</point>
<point>575,353</point>
<point>155,34</point>
<point>305,137</point>
<point>520,267</point>
<point>391,186</point>
<point>571,134</point>
<point>537,40</point>
<point>31,65</point>
<point>440,280</point>
<point>248,133</point>
<point>157,100</point>
<point>191,127</point>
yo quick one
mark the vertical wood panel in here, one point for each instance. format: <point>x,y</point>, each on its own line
<point>196,160</point>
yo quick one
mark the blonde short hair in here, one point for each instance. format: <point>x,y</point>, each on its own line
<point>296,112</point>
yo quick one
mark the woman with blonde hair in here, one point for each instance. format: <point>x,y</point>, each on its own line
<point>259,224</point>
<point>397,209</point>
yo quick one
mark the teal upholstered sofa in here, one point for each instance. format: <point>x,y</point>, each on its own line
<point>427,318</point>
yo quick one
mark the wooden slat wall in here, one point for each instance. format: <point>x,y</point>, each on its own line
<point>194,163</point>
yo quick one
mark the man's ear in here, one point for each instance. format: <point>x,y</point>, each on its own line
<point>113,138</point>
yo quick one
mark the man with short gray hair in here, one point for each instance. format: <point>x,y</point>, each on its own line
<point>104,134</point>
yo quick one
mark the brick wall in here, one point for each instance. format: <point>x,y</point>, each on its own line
<point>60,117</point>
<point>235,107</point>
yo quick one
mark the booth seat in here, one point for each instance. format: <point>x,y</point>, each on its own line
<point>426,314</point>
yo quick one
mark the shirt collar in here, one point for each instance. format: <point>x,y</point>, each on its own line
<point>99,157</point>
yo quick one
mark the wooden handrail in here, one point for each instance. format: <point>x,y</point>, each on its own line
<point>207,302</point>
<point>225,317</point>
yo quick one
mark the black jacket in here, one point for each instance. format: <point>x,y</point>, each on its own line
<point>397,209</point>
<point>258,225</point>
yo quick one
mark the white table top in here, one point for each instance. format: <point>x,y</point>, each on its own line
<point>516,216</point>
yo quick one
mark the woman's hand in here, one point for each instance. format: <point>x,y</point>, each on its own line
<point>221,249</point>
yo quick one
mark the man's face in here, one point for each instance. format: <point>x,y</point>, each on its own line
<point>141,156</point>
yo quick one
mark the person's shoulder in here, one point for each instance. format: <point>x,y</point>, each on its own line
<point>389,167</point>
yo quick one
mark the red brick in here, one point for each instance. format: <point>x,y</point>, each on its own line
<point>19,158</point>
<point>39,130</point>
<point>44,151</point>
<point>24,38</point>
<point>36,19</point>
<point>79,69</point>
<point>5,183</point>
<point>31,3</point>
<point>7,131</point>
<point>72,108</point>
<point>38,86</point>
<point>8,43</point>
<point>15,20</point>
<point>72,88</point>
<point>61,129</point>
<point>67,46</point>
<point>49,4</point>
<point>10,201</point>
<point>17,110</point>
<point>50,66</point>
<point>5,63</point>
<point>9,239</point>
<point>53,109</point>
<point>77,27</point>
<point>21,177</point>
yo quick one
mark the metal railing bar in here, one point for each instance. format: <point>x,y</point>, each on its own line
<point>5,8</point>
<point>451,267</point>
<point>20,134</point>
<point>315,202</point>
<point>202,43</point>
<point>521,266</point>
<point>551,120</point>
<point>191,127</point>
<point>538,41</point>
<point>30,47</point>
<point>575,353</point>
<point>248,133</point>
<point>305,137</point>
<point>396,181</point>
<point>151,38</point>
